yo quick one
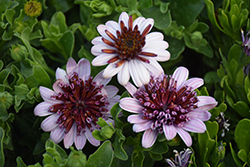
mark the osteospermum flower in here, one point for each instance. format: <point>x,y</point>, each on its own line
<point>168,104</point>
<point>75,105</point>
<point>129,50</point>
<point>245,42</point>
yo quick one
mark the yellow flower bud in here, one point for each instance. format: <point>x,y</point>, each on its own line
<point>33,8</point>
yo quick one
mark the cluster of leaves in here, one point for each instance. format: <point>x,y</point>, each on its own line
<point>203,35</point>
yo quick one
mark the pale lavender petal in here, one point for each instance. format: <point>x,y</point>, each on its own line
<point>180,75</point>
<point>49,123</point>
<point>155,45</point>
<point>149,137</point>
<point>97,49</point>
<point>112,25</point>
<point>46,95</point>
<point>185,136</point>
<point>206,102</point>
<point>194,83</point>
<point>124,17</point>
<point>61,74</point>
<point>136,118</point>
<point>57,134</point>
<point>71,65</point>
<point>154,36</point>
<point>110,91</point>
<point>142,72</point>
<point>131,105</point>
<point>200,114</point>
<point>123,76</point>
<point>130,88</point>
<point>145,23</point>
<point>102,59</point>
<point>111,70</point>
<point>80,141</point>
<point>97,41</point>
<point>134,72</point>
<point>100,80</point>
<point>101,29</point>
<point>138,21</point>
<point>154,67</point>
<point>83,69</point>
<point>113,101</point>
<point>142,126</point>
<point>90,138</point>
<point>194,125</point>
<point>169,131</point>
<point>56,86</point>
<point>69,137</point>
<point>42,109</point>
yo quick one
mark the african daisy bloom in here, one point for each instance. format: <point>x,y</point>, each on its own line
<point>169,105</point>
<point>75,104</point>
<point>129,50</point>
<point>181,159</point>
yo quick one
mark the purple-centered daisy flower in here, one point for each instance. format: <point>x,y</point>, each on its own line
<point>76,103</point>
<point>181,159</point>
<point>129,50</point>
<point>245,42</point>
<point>168,104</point>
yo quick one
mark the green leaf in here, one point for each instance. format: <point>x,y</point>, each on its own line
<point>162,20</point>
<point>118,149</point>
<point>4,5</point>
<point>67,41</point>
<point>159,148</point>
<point>99,159</point>
<point>242,155</point>
<point>20,162</point>
<point>212,128</point>
<point>41,76</point>
<point>145,4</point>
<point>176,47</point>
<point>1,64</point>
<point>234,53</point>
<point>138,158</point>
<point>59,21</point>
<point>235,157</point>
<point>242,108</point>
<point>76,158</point>
<point>2,159</point>
<point>185,12</point>
<point>242,135</point>
<point>247,84</point>
<point>115,110</point>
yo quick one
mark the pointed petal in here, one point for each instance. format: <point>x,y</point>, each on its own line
<point>154,67</point>
<point>136,118</point>
<point>149,138</point>
<point>169,131</point>
<point>195,125</point>
<point>71,65</point>
<point>110,91</point>
<point>142,126</point>
<point>194,83</point>
<point>142,72</point>
<point>102,59</point>
<point>42,109</point>
<point>138,21</point>
<point>97,49</point>
<point>80,141</point>
<point>97,41</point>
<point>57,134</point>
<point>49,123</point>
<point>83,69</point>
<point>69,137</point>
<point>142,26</point>
<point>130,88</point>
<point>199,114</point>
<point>134,72</point>
<point>46,95</point>
<point>185,136</point>
<point>90,138</point>
<point>111,70</point>
<point>206,102</point>
<point>100,80</point>
<point>131,105</point>
<point>113,25</point>
<point>61,74</point>
<point>102,28</point>
<point>180,75</point>
<point>123,76</point>
<point>124,17</point>
<point>56,86</point>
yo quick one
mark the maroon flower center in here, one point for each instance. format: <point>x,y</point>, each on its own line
<point>163,104</point>
<point>82,103</point>
<point>127,43</point>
